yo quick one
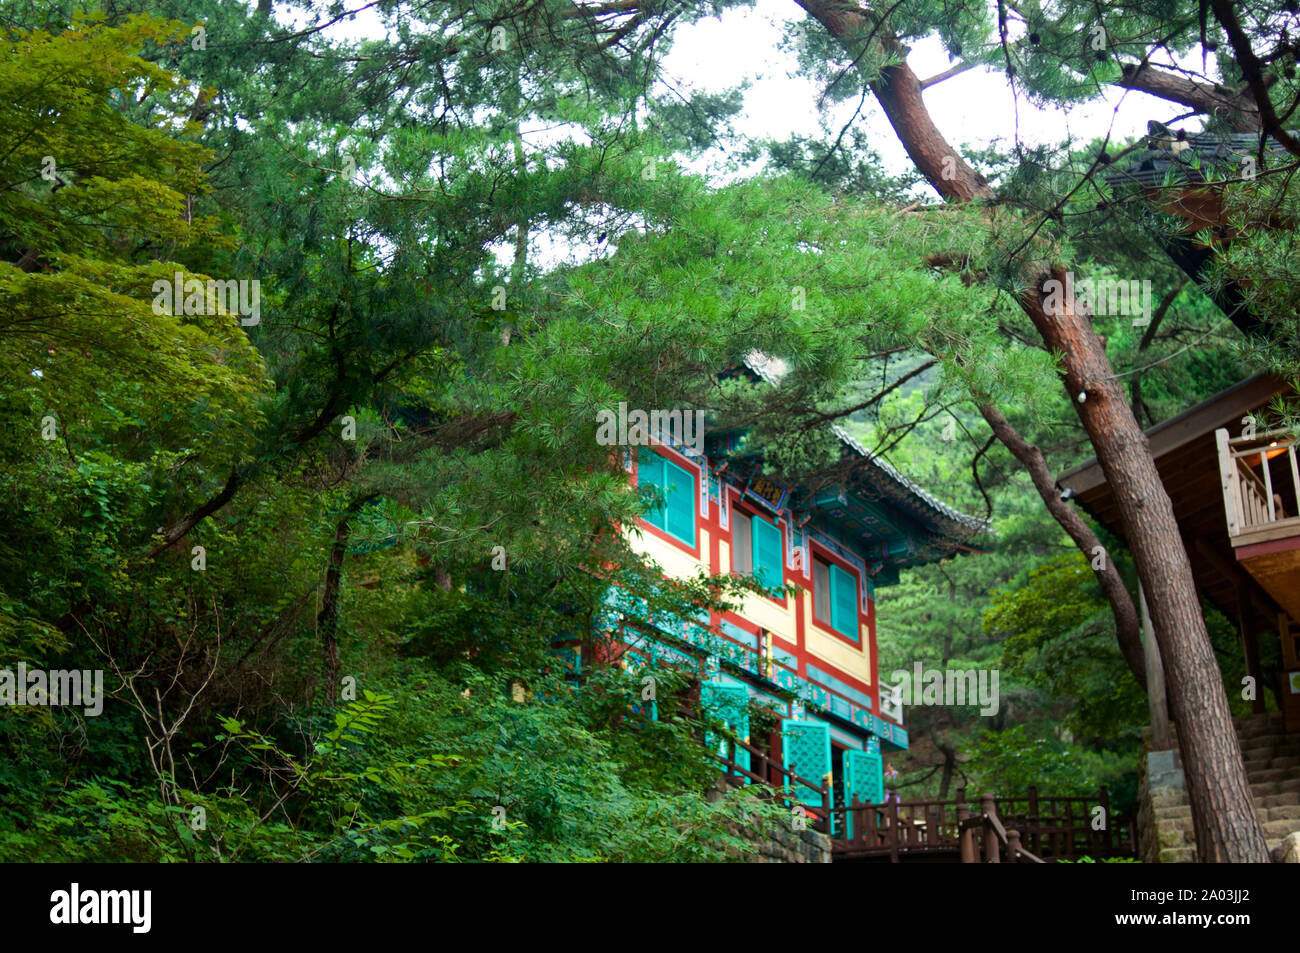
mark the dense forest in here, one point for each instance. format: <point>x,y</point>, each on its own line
<point>323,539</point>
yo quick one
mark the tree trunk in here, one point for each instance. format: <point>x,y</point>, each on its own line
<point>327,618</point>
<point>1223,812</point>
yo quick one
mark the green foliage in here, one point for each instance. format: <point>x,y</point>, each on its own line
<point>420,396</point>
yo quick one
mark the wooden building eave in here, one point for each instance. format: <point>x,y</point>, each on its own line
<point>1186,456</point>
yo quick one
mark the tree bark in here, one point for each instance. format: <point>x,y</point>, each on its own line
<point>1223,812</point>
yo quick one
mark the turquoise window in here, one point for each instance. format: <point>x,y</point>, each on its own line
<point>676,486</point>
<point>835,598</point>
<point>844,602</point>
<point>767,554</point>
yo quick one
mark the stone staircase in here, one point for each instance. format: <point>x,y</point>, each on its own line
<point>1272,766</point>
<point>1273,769</point>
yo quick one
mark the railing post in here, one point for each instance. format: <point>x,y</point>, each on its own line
<point>965,836</point>
<point>1228,479</point>
<point>1268,483</point>
<point>992,849</point>
<point>1295,474</point>
<point>1033,824</point>
<point>1013,846</point>
<point>893,831</point>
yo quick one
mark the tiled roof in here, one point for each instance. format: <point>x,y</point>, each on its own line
<point>772,369</point>
<point>972,523</point>
<point>1189,155</point>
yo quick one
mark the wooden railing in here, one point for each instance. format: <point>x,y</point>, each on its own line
<point>1030,829</point>
<point>1253,499</point>
<point>984,830</point>
<point>780,782</point>
<point>1000,830</point>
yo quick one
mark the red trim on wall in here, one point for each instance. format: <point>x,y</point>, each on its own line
<point>796,643</point>
<point>828,556</point>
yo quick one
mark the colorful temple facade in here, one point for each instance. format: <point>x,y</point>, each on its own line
<point>806,648</point>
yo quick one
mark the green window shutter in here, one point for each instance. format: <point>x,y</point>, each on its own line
<point>806,750</point>
<point>650,476</point>
<point>680,494</point>
<point>730,705</point>
<point>844,603</point>
<point>767,554</point>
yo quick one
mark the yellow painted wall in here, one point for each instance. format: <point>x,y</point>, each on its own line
<point>762,612</point>
<point>855,661</point>
<point>672,560</point>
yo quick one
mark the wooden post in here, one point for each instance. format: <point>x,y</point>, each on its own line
<point>966,838</point>
<point>1228,480</point>
<point>1290,657</point>
<point>1013,846</point>
<point>893,831</point>
<point>1157,706</point>
<point>1250,645</point>
<point>992,849</point>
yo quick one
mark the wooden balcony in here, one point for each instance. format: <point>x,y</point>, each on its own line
<point>1261,500</point>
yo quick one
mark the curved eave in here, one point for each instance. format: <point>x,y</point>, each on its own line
<point>935,515</point>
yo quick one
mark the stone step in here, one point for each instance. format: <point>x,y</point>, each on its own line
<point>1267,741</point>
<point>1175,810</point>
<point>1280,828</point>
<point>1178,855</point>
<point>1260,728</point>
<point>1277,800</point>
<point>1284,812</point>
<point>1269,752</point>
<point>1259,764</point>
<point>1288,761</point>
<point>1290,784</point>
<point>1270,774</point>
<point>1264,788</point>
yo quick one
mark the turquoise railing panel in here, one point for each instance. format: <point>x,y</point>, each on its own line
<point>806,750</point>
<point>864,779</point>
<point>730,705</point>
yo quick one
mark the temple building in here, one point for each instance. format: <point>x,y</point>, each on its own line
<point>806,649</point>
